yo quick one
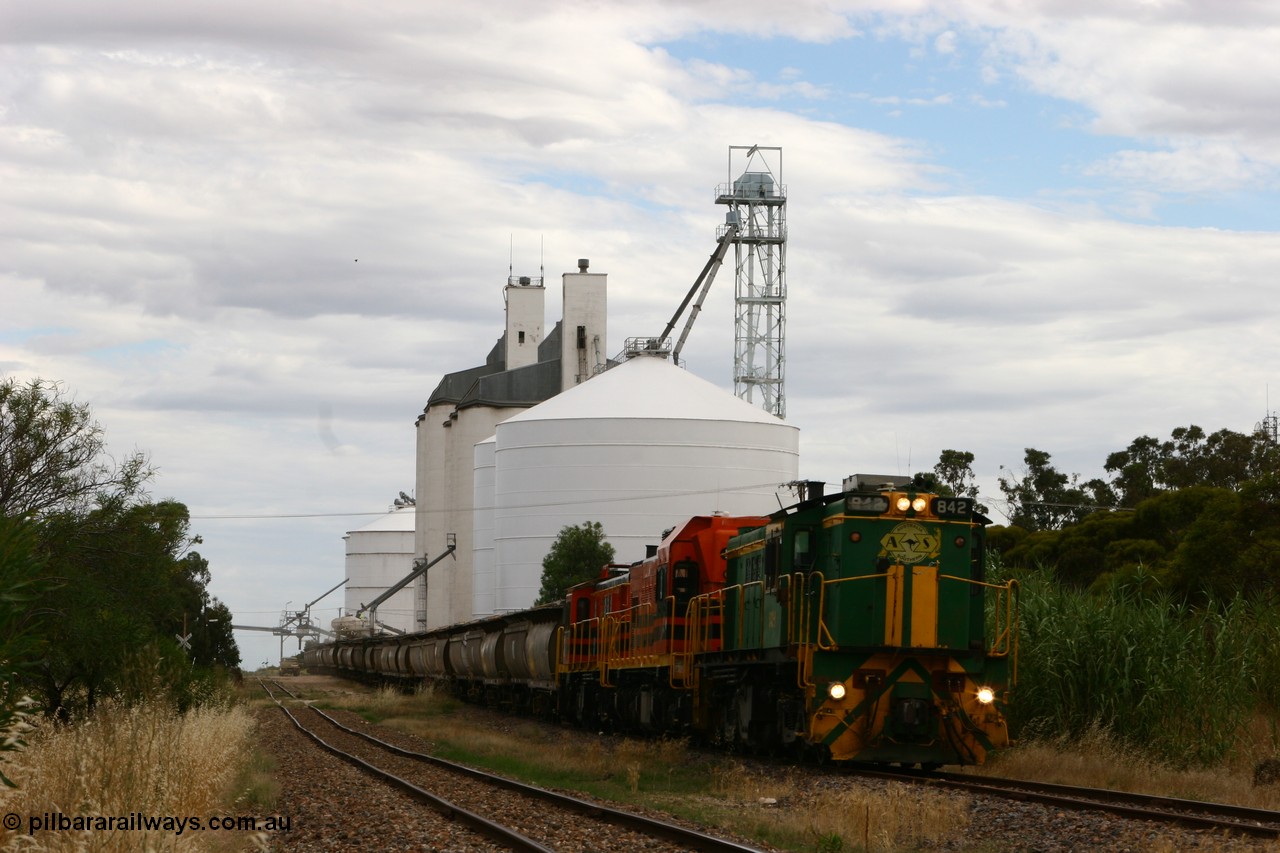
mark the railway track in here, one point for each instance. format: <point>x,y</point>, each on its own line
<point>1191,814</point>
<point>493,805</point>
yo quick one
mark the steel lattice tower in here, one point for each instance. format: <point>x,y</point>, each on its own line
<point>757,202</point>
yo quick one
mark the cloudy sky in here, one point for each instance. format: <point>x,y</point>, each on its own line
<point>252,236</point>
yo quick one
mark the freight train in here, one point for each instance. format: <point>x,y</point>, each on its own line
<point>856,626</point>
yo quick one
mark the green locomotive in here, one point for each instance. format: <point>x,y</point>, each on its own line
<point>854,626</point>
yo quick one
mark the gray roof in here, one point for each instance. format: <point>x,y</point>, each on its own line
<point>491,384</point>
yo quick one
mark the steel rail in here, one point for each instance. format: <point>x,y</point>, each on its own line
<point>649,826</point>
<point>290,693</point>
<point>1245,813</point>
<point>1192,814</point>
<point>495,831</point>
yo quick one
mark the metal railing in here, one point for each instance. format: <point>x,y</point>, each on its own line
<point>804,601</point>
<point>634,637</point>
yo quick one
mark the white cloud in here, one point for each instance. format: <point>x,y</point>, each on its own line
<point>1189,166</point>
<point>253,237</point>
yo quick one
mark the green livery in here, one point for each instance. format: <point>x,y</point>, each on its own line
<point>855,626</point>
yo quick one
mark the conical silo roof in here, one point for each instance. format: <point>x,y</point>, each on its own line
<point>647,387</point>
<point>637,448</point>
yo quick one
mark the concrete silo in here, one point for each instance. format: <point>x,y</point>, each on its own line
<point>523,369</point>
<point>482,572</point>
<point>637,448</point>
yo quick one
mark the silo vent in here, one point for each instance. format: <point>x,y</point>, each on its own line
<point>583,263</point>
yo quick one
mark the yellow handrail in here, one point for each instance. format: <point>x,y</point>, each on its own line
<point>1005,641</point>
<point>620,637</point>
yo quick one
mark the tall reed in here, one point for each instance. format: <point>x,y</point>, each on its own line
<point>1178,682</point>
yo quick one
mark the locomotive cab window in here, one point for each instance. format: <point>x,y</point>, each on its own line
<point>684,580</point>
<point>772,560</point>
<point>803,547</point>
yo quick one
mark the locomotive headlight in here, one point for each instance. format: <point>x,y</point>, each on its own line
<point>904,503</point>
<point>986,695</point>
<point>919,504</point>
<point>835,690</point>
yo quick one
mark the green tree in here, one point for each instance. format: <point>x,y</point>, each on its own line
<point>125,582</point>
<point>954,471</point>
<point>52,453</point>
<point>1138,470</point>
<point>1224,459</point>
<point>1232,545</point>
<point>1044,498</point>
<point>577,555</point>
<point>213,643</point>
<point>116,572</point>
<point>19,572</point>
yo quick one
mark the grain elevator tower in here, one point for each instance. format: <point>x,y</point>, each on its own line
<point>757,201</point>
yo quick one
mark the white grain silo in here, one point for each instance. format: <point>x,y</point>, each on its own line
<point>523,369</point>
<point>637,448</point>
<point>482,562</point>
<point>378,555</point>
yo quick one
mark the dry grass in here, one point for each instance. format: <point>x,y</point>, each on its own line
<point>765,803</point>
<point>430,717</point>
<point>843,817</point>
<point>899,817</point>
<point>383,703</point>
<point>1101,761</point>
<point>144,760</point>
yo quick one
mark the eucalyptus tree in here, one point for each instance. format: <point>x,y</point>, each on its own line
<point>53,453</point>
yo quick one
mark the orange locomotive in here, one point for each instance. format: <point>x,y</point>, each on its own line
<point>624,650</point>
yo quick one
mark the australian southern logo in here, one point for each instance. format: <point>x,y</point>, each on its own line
<point>909,543</point>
